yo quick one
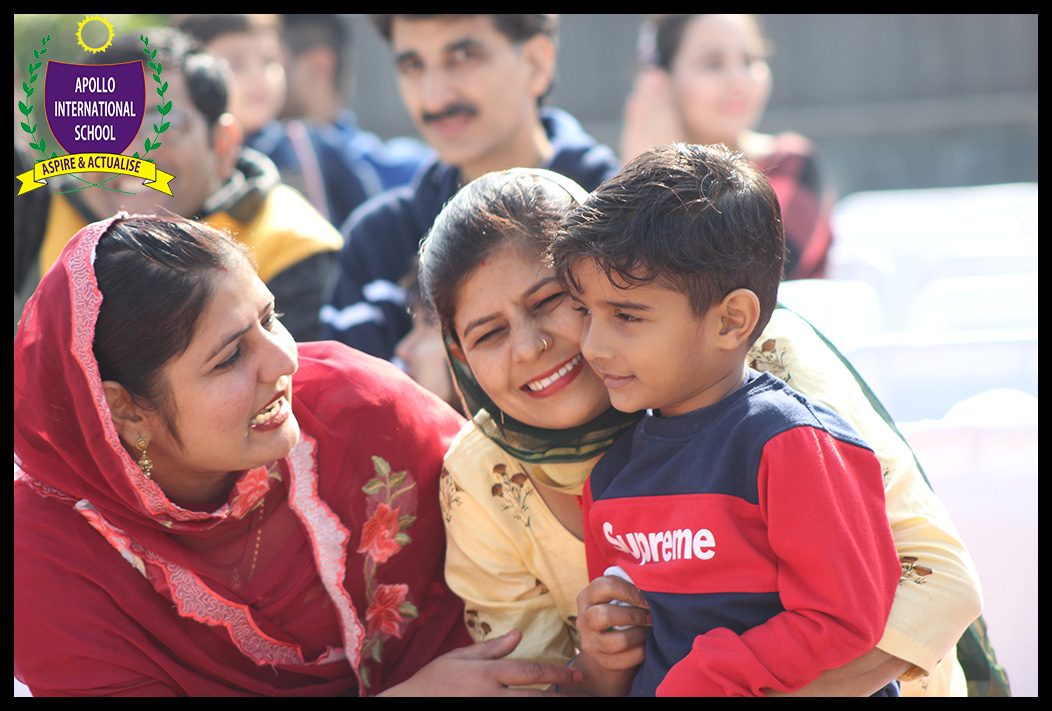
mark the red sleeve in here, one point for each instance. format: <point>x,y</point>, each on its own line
<point>823,503</point>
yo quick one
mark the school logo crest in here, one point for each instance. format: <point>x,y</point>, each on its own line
<point>94,113</point>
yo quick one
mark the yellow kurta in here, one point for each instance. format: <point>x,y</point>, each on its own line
<point>516,566</point>
<point>507,556</point>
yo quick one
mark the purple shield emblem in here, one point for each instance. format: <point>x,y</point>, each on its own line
<point>94,108</point>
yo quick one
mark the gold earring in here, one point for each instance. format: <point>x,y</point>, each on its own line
<point>145,463</point>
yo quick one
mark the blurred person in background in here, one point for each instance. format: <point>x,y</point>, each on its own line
<point>422,352</point>
<point>311,156</point>
<point>217,180</point>
<point>317,50</point>
<point>474,85</point>
<point>705,79</point>
<point>251,47</point>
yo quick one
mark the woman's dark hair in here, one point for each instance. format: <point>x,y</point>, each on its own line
<point>156,278</point>
<point>668,31</point>
<point>700,220</point>
<point>519,208</point>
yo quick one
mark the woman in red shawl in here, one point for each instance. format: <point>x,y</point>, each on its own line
<point>204,508</point>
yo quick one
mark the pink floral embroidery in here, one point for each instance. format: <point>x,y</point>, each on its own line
<point>378,534</point>
<point>251,489</point>
<point>383,536</point>
<point>385,614</point>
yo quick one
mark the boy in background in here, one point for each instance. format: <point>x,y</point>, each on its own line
<point>752,519</point>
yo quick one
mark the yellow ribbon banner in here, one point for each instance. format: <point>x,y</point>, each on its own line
<point>95,163</point>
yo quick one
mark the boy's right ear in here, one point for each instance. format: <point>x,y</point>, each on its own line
<point>739,314</point>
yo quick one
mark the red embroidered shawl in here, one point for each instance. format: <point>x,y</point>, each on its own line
<point>320,575</point>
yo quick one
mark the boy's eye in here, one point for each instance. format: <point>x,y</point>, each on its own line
<point>580,309</point>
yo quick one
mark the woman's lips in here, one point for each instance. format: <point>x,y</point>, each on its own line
<point>556,379</point>
<point>272,416</point>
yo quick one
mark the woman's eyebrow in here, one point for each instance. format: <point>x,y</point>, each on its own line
<point>234,336</point>
<point>529,292</point>
<point>536,287</point>
<point>226,342</point>
<point>479,322</point>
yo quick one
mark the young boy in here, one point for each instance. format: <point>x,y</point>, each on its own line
<point>752,520</point>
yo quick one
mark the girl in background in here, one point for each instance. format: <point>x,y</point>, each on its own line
<point>705,79</point>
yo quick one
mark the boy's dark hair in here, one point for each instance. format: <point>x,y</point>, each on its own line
<point>701,220</point>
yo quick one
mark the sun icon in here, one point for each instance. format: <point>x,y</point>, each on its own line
<point>80,38</point>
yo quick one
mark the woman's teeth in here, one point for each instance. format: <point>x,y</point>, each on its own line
<point>265,416</point>
<point>541,384</point>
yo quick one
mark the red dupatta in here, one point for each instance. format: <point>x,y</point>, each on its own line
<point>320,574</point>
<point>795,175</point>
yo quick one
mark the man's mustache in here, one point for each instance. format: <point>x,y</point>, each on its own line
<point>449,112</point>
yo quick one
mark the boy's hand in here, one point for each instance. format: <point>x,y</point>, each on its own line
<point>613,649</point>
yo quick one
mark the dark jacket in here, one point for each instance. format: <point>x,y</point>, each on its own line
<point>366,309</point>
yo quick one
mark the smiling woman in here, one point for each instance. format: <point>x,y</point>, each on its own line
<point>540,416</point>
<point>227,351</point>
<point>225,514</point>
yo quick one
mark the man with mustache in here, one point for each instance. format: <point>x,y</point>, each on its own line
<point>474,85</point>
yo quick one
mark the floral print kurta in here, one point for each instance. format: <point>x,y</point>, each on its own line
<point>507,556</point>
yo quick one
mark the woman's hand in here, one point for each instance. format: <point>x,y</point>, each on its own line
<point>597,621</point>
<point>479,670</point>
<point>651,117</point>
<point>861,677</point>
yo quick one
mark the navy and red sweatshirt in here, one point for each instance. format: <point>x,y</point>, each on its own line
<point>756,529</point>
